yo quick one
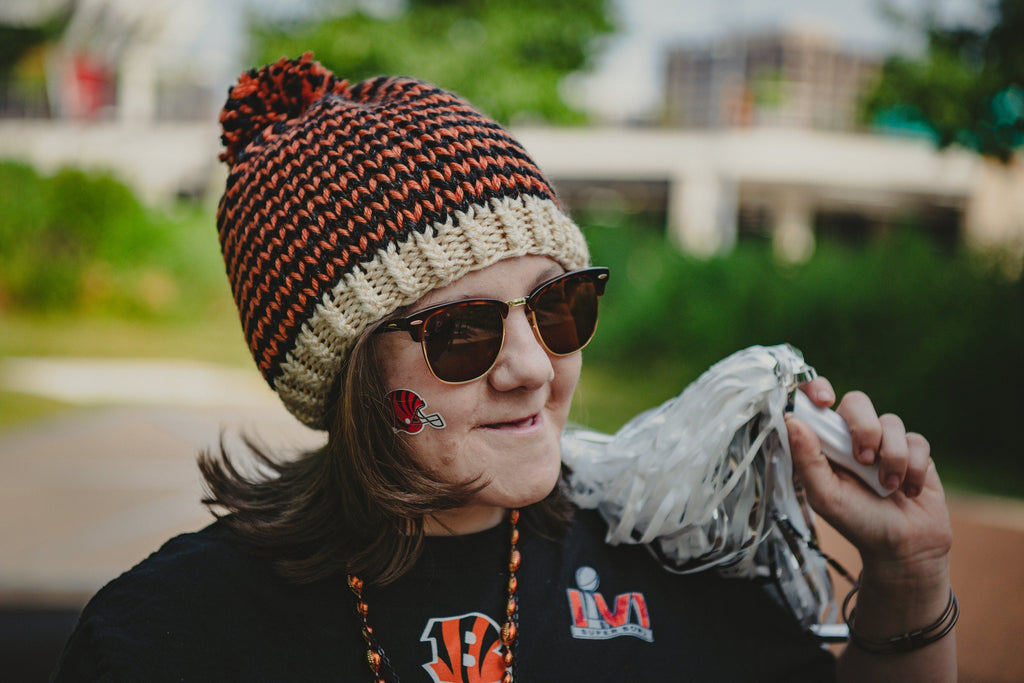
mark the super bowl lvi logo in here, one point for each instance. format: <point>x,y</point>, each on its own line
<point>595,618</point>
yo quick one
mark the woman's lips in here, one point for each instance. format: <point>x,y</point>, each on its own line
<point>524,423</point>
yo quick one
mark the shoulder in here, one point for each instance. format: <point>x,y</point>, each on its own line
<point>186,568</point>
<point>185,608</point>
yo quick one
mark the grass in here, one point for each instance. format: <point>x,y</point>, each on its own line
<point>17,408</point>
<point>995,479</point>
<point>608,395</point>
<point>217,339</point>
<point>212,338</point>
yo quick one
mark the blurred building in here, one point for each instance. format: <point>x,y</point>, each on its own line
<point>129,87</point>
<point>794,78</point>
<point>92,60</point>
<point>763,142</point>
<point>789,187</point>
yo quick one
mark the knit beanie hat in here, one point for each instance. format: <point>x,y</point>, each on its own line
<point>346,202</point>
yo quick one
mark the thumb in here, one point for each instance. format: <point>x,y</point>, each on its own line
<point>809,463</point>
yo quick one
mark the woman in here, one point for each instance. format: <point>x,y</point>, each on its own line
<point>407,281</point>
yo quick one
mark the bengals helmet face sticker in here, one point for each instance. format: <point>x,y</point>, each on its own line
<point>407,412</point>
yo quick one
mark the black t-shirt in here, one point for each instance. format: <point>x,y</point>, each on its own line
<point>202,609</point>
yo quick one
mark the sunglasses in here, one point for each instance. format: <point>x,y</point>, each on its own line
<point>462,339</point>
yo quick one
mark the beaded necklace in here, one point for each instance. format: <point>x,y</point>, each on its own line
<point>375,656</point>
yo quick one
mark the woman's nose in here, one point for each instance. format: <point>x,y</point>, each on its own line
<point>523,361</point>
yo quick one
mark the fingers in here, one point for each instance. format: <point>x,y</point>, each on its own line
<point>920,462</point>
<point>820,391</point>
<point>903,459</point>
<point>856,408</point>
<point>893,452</point>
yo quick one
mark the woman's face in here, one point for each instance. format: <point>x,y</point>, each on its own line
<point>504,427</point>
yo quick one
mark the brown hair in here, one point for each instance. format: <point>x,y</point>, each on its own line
<point>356,505</point>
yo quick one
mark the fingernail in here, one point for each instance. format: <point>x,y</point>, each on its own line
<point>912,491</point>
<point>892,481</point>
<point>866,456</point>
<point>825,396</point>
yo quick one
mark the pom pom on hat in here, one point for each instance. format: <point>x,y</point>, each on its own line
<point>275,93</point>
<point>344,204</point>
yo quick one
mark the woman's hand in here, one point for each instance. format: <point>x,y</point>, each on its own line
<point>904,539</point>
<point>910,527</point>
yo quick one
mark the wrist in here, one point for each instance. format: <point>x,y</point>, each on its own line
<point>901,600</point>
<point>904,641</point>
<point>897,574</point>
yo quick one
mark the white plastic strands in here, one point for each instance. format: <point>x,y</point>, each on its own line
<point>706,481</point>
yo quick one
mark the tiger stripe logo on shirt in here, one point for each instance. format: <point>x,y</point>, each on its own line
<point>465,649</point>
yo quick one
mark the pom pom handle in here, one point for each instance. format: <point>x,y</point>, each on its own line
<point>836,442</point>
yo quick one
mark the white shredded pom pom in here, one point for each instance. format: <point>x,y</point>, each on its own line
<point>705,480</point>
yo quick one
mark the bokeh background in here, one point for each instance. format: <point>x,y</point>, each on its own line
<point>844,175</point>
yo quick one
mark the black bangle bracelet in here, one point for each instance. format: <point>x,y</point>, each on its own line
<point>903,642</point>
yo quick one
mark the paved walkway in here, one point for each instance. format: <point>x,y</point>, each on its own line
<point>85,496</point>
<point>988,575</point>
<point>89,493</point>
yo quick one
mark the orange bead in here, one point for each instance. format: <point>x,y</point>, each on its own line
<point>509,631</point>
<point>514,561</point>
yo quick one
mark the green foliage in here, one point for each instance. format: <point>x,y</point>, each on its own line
<point>80,242</point>
<point>16,40</point>
<point>934,337</point>
<point>968,88</point>
<point>507,59</point>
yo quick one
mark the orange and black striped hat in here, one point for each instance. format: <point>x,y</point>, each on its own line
<point>346,202</point>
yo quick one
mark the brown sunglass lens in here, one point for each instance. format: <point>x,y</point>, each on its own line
<point>462,341</point>
<point>566,314</point>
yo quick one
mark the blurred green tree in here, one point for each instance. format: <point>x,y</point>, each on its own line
<point>17,39</point>
<point>967,88</point>
<point>508,59</point>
